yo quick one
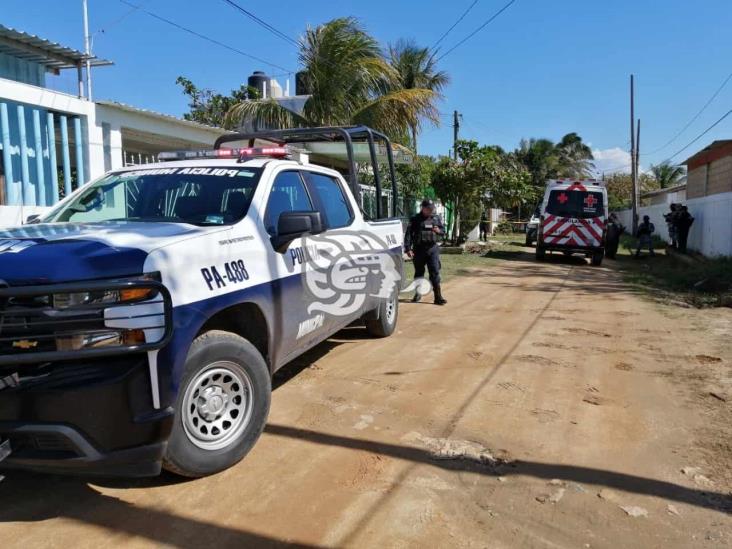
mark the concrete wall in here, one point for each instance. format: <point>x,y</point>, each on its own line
<point>666,198</point>
<point>711,233</point>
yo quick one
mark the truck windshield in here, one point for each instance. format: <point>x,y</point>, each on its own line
<point>578,204</point>
<point>199,196</point>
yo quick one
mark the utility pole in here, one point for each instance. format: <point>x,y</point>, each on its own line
<point>637,163</point>
<point>633,156</point>
<point>455,133</point>
<point>87,49</point>
<point>455,136</point>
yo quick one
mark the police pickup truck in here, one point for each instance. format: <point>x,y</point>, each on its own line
<point>141,320</point>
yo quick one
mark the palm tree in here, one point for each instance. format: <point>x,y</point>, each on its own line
<point>540,158</point>
<point>417,69</point>
<point>548,160</point>
<point>350,83</point>
<point>574,157</point>
<point>668,175</point>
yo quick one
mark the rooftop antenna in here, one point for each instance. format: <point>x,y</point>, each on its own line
<point>87,49</point>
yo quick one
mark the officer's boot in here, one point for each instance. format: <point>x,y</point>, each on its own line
<point>439,300</point>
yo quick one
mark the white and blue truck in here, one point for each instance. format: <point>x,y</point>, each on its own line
<point>142,319</point>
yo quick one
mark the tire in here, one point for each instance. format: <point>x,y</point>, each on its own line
<point>230,369</point>
<point>388,313</point>
<point>596,260</point>
<point>528,241</point>
<point>540,252</point>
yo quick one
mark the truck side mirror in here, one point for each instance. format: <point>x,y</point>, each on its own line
<point>33,219</point>
<point>292,225</point>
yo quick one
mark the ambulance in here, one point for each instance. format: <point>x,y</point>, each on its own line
<point>573,217</point>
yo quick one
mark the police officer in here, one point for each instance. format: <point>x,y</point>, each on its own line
<point>420,243</point>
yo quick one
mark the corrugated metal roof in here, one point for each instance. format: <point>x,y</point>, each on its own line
<point>159,115</point>
<point>39,50</point>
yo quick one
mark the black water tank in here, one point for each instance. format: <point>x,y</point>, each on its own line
<point>260,81</point>
<point>301,84</point>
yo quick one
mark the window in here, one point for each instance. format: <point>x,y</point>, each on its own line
<point>199,196</point>
<point>288,195</point>
<point>333,202</point>
<point>579,204</point>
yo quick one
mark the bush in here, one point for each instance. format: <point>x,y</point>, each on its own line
<point>504,227</point>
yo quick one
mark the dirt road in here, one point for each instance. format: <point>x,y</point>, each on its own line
<point>546,406</point>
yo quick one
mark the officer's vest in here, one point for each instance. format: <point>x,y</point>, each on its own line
<point>426,235</point>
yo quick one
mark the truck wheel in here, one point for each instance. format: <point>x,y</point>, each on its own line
<point>528,241</point>
<point>222,405</point>
<point>540,252</point>
<point>596,260</point>
<point>385,325</point>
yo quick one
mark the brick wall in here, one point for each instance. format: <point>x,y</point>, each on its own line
<point>720,176</point>
<point>718,180</point>
<point>695,182</point>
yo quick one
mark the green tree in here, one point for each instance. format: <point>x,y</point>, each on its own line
<point>620,189</point>
<point>209,107</point>
<point>667,175</point>
<point>540,158</point>
<point>415,179</point>
<point>544,159</point>
<point>481,173</point>
<point>574,157</point>
<point>416,68</point>
<point>350,82</point>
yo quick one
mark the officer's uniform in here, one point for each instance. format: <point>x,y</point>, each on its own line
<point>421,239</point>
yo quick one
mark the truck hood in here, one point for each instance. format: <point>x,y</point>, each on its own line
<point>67,252</point>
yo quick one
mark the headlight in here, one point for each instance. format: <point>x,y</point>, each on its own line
<point>105,297</point>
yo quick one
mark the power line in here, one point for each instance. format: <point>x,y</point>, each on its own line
<point>476,31</point>
<point>262,23</point>
<point>204,37</point>
<point>455,24</point>
<point>694,118</point>
<point>698,137</point>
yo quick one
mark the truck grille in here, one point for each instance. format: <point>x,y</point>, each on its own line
<point>41,323</point>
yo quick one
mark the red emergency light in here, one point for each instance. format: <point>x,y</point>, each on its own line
<point>240,153</point>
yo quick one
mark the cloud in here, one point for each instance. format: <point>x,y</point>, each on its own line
<point>614,160</point>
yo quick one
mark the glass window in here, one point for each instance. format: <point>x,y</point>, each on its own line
<point>199,196</point>
<point>579,204</point>
<point>333,201</point>
<point>288,194</point>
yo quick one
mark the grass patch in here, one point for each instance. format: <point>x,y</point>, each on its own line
<point>697,281</point>
<point>500,247</point>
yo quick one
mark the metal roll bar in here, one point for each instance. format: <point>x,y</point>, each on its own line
<point>347,134</point>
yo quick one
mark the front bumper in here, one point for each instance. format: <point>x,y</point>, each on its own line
<point>91,417</point>
<point>586,250</point>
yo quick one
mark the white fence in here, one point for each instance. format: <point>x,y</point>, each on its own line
<point>711,233</point>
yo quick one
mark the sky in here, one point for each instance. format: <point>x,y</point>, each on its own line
<point>540,69</point>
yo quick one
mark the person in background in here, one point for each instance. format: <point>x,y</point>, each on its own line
<point>684,222</point>
<point>420,243</point>
<point>483,226</point>
<point>612,235</point>
<point>645,236</point>
<point>671,218</point>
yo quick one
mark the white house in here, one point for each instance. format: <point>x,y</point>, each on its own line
<point>52,142</point>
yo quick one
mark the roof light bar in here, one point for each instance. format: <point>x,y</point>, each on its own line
<point>240,153</point>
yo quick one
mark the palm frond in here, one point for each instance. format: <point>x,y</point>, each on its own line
<point>392,112</point>
<point>265,113</point>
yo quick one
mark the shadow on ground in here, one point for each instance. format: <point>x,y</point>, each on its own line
<point>620,481</point>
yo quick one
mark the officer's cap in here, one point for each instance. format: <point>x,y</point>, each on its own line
<point>427,203</point>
